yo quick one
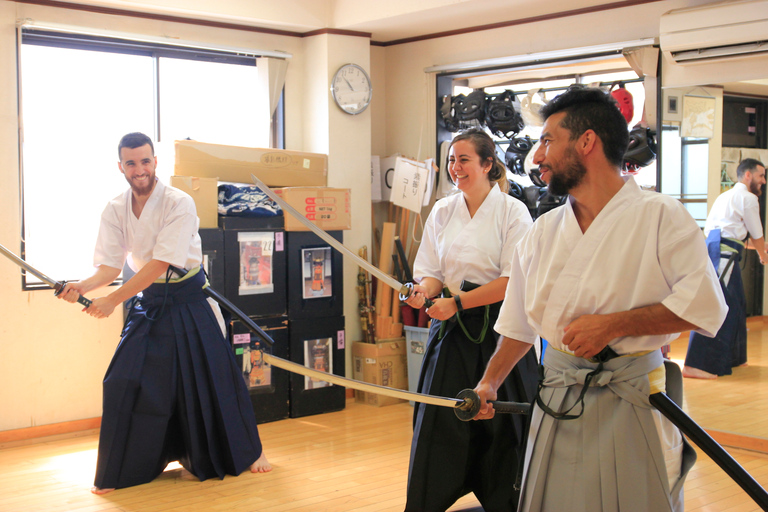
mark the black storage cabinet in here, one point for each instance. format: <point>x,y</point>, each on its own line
<point>249,296</point>
<point>315,276</point>
<point>317,343</point>
<point>213,256</point>
<point>268,386</point>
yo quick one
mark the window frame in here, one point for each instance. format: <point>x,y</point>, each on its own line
<point>155,51</point>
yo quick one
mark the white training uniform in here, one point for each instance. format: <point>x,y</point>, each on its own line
<point>642,249</point>
<point>735,212</point>
<point>458,247</point>
<point>166,231</point>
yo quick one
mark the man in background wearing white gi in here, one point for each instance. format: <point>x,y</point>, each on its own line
<point>173,390</point>
<point>614,267</point>
<point>734,217</point>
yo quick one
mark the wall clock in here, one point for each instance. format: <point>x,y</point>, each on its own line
<point>351,89</point>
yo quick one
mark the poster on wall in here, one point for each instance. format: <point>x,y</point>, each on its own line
<point>318,356</point>
<point>256,372</point>
<point>256,262</point>
<point>698,117</point>
<point>316,272</point>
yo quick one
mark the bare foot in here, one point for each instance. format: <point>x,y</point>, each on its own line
<point>695,373</point>
<point>262,465</point>
<point>743,364</point>
<point>96,490</point>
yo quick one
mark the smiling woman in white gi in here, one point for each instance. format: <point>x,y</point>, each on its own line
<point>469,237</point>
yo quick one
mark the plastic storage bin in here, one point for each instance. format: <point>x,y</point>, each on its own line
<point>416,346</point>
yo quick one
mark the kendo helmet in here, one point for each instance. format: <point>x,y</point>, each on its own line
<point>533,170</point>
<point>518,149</point>
<point>641,150</point>
<point>502,115</point>
<point>624,100</point>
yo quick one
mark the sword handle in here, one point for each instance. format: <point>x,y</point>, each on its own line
<point>80,299</point>
<point>511,407</point>
<point>404,296</point>
<point>471,406</point>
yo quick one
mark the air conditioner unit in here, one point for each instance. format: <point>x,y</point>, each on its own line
<point>713,32</point>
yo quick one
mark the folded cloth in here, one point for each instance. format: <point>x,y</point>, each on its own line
<point>246,201</point>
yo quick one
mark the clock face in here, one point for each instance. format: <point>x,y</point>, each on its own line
<point>351,89</point>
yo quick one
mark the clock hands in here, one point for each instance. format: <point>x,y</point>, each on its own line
<point>349,84</point>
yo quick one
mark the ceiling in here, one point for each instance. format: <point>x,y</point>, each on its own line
<point>446,15</point>
<point>386,21</point>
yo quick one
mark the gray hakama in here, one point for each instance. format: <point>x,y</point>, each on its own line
<point>611,458</point>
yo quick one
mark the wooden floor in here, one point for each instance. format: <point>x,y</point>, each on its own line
<point>355,459</point>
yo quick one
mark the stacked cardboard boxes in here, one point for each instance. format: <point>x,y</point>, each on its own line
<point>383,363</point>
<point>302,177</point>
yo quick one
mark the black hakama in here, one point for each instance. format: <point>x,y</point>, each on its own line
<point>449,457</point>
<point>174,392</point>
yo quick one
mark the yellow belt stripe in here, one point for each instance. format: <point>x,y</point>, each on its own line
<point>657,377</point>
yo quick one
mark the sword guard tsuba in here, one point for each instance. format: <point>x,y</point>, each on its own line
<point>404,296</point>
<point>409,292</point>
<point>57,291</point>
<point>470,407</point>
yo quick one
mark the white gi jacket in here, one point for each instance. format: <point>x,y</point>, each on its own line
<point>735,212</point>
<point>643,248</point>
<point>478,249</point>
<point>167,231</point>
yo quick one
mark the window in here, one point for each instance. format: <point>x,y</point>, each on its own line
<point>686,164</point>
<point>79,95</point>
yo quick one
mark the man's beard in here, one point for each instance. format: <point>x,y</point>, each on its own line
<point>756,189</point>
<point>570,176</point>
<point>144,189</point>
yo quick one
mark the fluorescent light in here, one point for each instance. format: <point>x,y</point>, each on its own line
<point>540,56</point>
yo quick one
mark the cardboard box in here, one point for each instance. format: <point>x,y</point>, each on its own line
<point>275,167</point>
<point>205,192</point>
<point>328,208</point>
<point>383,363</point>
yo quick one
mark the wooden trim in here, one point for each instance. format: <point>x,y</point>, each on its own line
<point>159,17</point>
<point>336,31</point>
<point>522,21</point>
<point>67,427</point>
<point>248,28</point>
<point>744,442</point>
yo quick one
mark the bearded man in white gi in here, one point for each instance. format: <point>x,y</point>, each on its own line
<point>733,219</point>
<point>173,390</point>
<point>614,267</point>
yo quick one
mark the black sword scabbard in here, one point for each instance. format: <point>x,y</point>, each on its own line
<point>714,451</point>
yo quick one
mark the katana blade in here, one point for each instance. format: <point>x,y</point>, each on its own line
<point>359,385</point>
<point>466,405</point>
<point>403,289</point>
<point>56,285</point>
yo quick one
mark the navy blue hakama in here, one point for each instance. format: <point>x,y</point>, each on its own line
<point>728,348</point>
<point>172,392</point>
<point>449,457</point>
